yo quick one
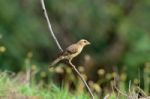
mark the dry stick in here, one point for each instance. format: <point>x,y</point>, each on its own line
<point>49,26</point>
<point>120,90</point>
<point>52,33</point>
<point>130,86</point>
<point>82,79</point>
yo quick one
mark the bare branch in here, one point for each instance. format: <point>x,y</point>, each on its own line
<point>73,66</point>
<point>55,39</point>
<point>49,25</point>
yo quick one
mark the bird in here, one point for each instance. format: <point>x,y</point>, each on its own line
<point>71,51</point>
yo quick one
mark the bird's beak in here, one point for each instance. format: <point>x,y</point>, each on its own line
<point>88,43</point>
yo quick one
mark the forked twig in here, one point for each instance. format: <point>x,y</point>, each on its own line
<point>119,91</point>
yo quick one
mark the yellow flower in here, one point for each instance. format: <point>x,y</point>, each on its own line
<point>87,57</point>
<point>136,81</point>
<point>33,67</point>
<point>29,54</point>
<point>96,87</point>
<point>59,70</point>
<point>2,49</point>
<point>91,83</point>
<point>68,70</point>
<point>81,69</point>
<point>123,76</point>
<point>147,67</point>
<point>114,74</point>
<point>51,69</point>
<point>108,76</point>
<point>101,72</point>
<point>43,74</point>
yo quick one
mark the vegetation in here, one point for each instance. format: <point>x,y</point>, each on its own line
<point>13,89</point>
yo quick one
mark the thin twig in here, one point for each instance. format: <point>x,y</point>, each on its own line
<point>54,37</point>
<point>140,90</point>
<point>49,25</point>
<point>130,86</point>
<point>73,66</point>
<point>119,91</point>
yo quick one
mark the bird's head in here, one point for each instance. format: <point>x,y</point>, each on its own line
<point>83,42</point>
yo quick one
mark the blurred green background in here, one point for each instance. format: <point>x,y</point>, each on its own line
<point>119,32</point>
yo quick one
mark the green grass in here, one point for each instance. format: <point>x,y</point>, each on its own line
<point>8,86</point>
<point>52,92</point>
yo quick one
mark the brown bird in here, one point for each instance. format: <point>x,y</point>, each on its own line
<point>71,51</point>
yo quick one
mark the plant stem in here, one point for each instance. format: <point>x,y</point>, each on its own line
<point>79,74</point>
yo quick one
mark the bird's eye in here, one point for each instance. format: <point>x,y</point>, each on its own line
<point>84,41</point>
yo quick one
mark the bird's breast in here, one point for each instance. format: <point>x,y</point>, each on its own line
<point>78,52</point>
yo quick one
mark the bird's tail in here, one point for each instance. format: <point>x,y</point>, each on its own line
<point>56,61</point>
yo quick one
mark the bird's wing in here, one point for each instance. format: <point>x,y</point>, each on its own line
<point>72,49</point>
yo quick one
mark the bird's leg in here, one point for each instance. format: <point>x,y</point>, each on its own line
<point>70,60</point>
<point>71,63</point>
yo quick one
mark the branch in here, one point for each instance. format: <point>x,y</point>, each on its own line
<point>55,39</point>
<point>73,66</point>
<point>49,25</point>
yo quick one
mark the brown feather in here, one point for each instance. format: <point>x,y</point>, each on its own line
<point>72,49</point>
